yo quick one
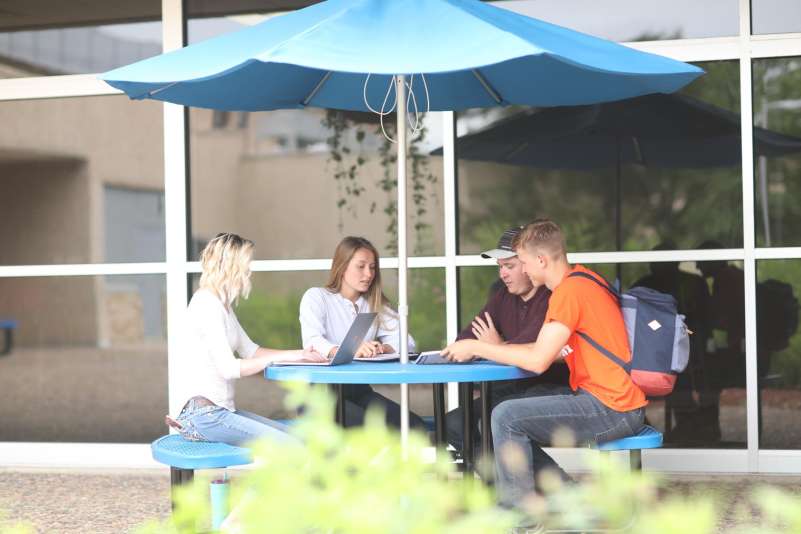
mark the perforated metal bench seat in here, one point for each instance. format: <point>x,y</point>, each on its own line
<point>175,451</point>
<point>184,456</point>
<point>647,438</point>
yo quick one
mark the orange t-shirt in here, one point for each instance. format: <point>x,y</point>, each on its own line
<point>584,306</point>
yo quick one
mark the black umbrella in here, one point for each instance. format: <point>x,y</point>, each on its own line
<point>662,131</point>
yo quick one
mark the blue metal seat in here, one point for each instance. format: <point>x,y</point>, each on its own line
<point>175,451</point>
<point>647,438</point>
<point>184,456</point>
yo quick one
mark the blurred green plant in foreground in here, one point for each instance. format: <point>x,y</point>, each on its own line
<point>360,480</point>
<point>354,480</point>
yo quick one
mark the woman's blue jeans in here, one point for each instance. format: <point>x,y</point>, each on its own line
<point>202,422</point>
<point>528,423</point>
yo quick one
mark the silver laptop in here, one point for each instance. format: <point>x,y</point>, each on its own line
<point>347,349</point>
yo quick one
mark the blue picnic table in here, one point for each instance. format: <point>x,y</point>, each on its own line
<point>397,373</point>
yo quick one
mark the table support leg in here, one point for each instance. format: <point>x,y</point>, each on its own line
<point>468,423</point>
<point>339,391</point>
<point>486,433</point>
<point>9,340</point>
<point>439,417</point>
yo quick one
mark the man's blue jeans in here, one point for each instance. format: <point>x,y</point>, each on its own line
<point>529,423</point>
<point>215,423</point>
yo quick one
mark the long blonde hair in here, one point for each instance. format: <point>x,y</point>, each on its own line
<point>226,267</point>
<point>344,252</point>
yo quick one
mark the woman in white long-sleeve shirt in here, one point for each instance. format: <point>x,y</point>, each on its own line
<point>207,367</point>
<point>326,314</point>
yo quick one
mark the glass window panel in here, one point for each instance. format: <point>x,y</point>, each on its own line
<point>426,325</point>
<point>707,406</point>
<point>656,162</point>
<point>270,317</point>
<point>44,38</point>
<point>633,21</point>
<point>88,361</point>
<point>240,9</point>
<point>775,16</point>
<point>81,181</point>
<point>636,20</point>
<point>777,151</point>
<point>317,175</point>
<point>779,353</point>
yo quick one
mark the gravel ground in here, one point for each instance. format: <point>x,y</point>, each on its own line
<point>68,501</point>
<point>84,501</point>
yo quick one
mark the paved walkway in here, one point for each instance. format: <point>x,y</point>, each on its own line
<point>68,501</point>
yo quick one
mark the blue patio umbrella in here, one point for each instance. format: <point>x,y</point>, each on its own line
<point>380,55</point>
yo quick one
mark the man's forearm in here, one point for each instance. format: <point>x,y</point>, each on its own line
<point>525,356</point>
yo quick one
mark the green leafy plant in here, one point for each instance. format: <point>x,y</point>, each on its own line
<point>357,480</point>
<point>347,157</point>
<point>362,480</point>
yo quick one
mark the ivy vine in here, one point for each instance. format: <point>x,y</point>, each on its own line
<point>346,169</point>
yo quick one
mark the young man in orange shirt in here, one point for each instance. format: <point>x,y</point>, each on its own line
<point>601,403</point>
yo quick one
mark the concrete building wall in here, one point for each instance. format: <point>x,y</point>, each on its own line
<point>56,157</point>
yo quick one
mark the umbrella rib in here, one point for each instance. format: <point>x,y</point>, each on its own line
<point>160,89</point>
<point>487,87</point>
<point>317,88</point>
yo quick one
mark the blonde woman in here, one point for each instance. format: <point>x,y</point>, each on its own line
<point>326,313</point>
<point>207,368</point>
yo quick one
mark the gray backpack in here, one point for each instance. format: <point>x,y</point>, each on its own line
<point>658,338</point>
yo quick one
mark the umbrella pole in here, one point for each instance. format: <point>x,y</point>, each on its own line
<point>403,307</point>
<point>618,213</point>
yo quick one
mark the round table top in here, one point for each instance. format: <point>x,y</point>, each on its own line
<point>395,373</point>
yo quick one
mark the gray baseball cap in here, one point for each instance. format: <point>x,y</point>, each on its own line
<point>504,249</point>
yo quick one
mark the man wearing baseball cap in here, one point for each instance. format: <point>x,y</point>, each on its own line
<point>514,313</point>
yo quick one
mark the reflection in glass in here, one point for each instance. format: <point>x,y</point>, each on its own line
<point>707,406</point>
<point>779,353</point>
<point>297,181</point>
<point>207,19</point>
<point>88,361</point>
<point>46,43</point>
<point>775,16</point>
<point>777,173</point>
<point>615,175</point>
<point>81,181</point>
<point>697,413</point>
<point>636,20</point>
<point>270,317</point>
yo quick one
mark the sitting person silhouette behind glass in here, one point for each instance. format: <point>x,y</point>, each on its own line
<point>692,300</point>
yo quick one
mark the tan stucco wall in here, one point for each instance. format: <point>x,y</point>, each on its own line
<point>119,142</point>
<point>51,311</point>
<point>57,156</point>
<point>287,203</point>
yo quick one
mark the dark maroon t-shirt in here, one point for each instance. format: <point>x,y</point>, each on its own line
<point>519,321</point>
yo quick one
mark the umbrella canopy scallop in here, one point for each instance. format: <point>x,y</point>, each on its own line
<point>342,54</point>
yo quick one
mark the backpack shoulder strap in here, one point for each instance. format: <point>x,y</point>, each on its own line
<point>600,348</point>
<point>604,284</point>
<point>597,346</point>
